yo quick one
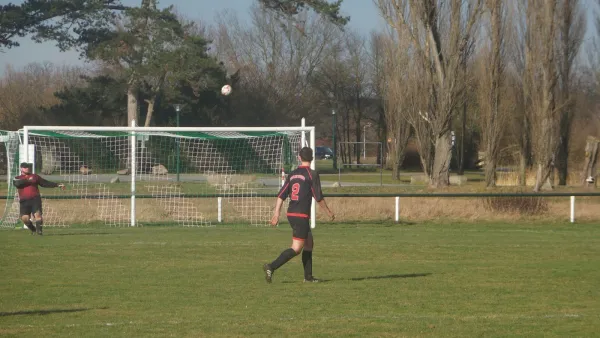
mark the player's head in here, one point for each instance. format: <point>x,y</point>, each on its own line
<point>26,167</point>
<point>306,154</point>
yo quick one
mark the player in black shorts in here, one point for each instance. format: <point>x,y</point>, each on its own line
<point>30,200</point>
<point>300,186</point>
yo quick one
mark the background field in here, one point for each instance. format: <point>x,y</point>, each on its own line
<point>425,279</point>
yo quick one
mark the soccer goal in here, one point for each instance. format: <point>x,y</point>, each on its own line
<point>135,176</point>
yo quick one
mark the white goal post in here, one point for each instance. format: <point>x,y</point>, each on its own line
<point>196,145</point>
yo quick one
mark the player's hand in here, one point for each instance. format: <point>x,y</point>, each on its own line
<point>275,220</point>
<point>61,186</point>
<point>331,216</point>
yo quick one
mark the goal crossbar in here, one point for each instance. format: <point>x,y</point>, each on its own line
<point>27,129</point>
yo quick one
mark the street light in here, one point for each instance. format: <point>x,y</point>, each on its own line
<point>177,107</point>
<point>334,144</point>
<point>365,140</point>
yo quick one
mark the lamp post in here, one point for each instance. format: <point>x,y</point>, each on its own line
<point>334,144</point>
<point>177,109</point>
<point>365,140</point>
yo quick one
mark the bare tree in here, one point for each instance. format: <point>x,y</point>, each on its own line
<point>492,67</point>
<point>334,83</point>
<point>541,78</point>
<point>25,93</point>
<point>427,23</point>
<point>571,22</point>
<point>358,82</point>
<point>394,89</point>
<point>377,75</point>
<point>276,59</point>
<point>520,125</point>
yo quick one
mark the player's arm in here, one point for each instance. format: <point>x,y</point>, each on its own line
<point>324,205</point>
<point>47,184</point>
<point>20,183</point>
<point>277,212</point>
<point>281,196</point>
<point>318,195</point>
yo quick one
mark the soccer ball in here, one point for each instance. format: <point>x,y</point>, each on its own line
<point>226,90</point>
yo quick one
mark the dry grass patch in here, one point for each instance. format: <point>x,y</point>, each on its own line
<point>510,179</point>
<point>347,210</point>
<point>462,209</point>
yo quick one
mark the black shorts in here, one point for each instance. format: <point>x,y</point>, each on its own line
<point>31,206</point>
<point>300,227</point>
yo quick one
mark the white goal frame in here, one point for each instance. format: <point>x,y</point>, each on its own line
<point>133,143</point>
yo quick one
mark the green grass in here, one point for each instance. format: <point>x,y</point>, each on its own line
<point>451,280</point>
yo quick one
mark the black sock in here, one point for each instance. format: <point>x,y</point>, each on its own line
<point>30,226</point>
<point>285,256</point>
<point>307,262</point>
<point>38,224</point>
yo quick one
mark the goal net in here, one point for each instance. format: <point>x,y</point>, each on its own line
<point>123,176</point>
<point>9,147</point>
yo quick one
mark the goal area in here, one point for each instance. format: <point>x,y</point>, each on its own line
<point>136,176</point>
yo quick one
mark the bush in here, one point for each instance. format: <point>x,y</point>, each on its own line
<point>526,205</point>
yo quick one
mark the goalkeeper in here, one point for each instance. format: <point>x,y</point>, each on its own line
<point>29,196</point>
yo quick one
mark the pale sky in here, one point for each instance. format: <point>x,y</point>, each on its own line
<point>364,18</point>
<point>363,13</point>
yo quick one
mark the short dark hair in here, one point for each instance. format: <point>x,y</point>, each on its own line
<point>306,154</point>
<point>26,165</point>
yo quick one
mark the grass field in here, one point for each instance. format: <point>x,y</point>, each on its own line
<point>426,279</point>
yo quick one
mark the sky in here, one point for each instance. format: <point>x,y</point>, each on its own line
<point>364,17</point>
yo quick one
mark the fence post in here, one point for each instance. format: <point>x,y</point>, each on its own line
<point>397,218</point>
<point>572,209</point>
<point>220,209</point>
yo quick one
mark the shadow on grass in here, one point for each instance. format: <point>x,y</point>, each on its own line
<point>410,275</point>
<point>374,223</point>
<point>42,312</point>
<point>78,234</point>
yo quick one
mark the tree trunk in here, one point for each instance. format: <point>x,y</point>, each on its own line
<point>440,177</point>
<point>546,142</point>
<point>396,170</point>
<point>149,113</point>
<point>394,158</point>
<point>590,163</point>
<point>523,165</point>
<point>398,150</point>
<point>461,147</point>
<point>525,151</point>
<point>571,35</point>
<point>542,175</point>
<point>381,155</point>
<point>358,149</point>
<point>545,161</point>
<point>490,171</point>
<point>132,104</point>
<point>562,156</point>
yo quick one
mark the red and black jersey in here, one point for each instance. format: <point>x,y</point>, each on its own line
<point>301,185</point>
<point>27,186</point>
